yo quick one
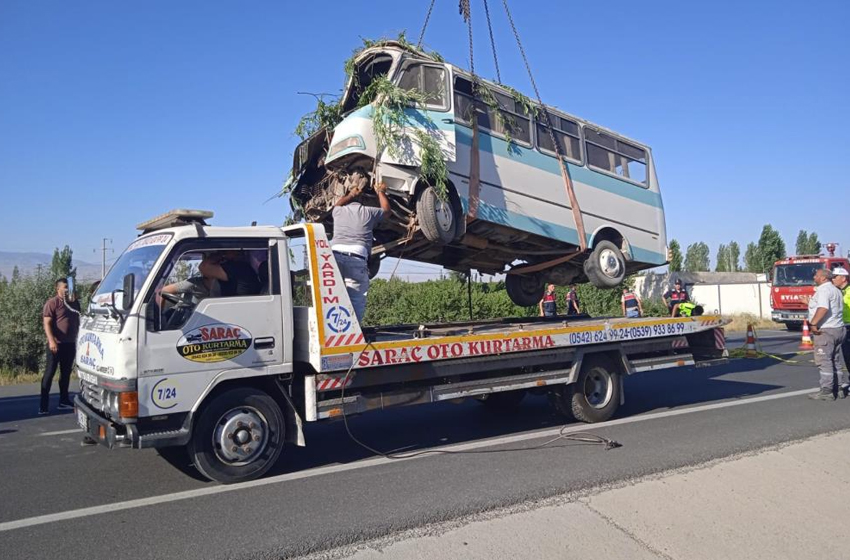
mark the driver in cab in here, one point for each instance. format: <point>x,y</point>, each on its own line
<point>222,274</point>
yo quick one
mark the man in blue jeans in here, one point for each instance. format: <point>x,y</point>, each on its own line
<point>352,241</point>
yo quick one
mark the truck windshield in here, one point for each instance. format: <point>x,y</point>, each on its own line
<point>795,274</point>
<point>137,260</point>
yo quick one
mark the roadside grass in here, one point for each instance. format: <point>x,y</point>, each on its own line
<point>740,321</point>
<point>21,377</point>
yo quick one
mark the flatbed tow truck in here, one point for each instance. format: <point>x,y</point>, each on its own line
<point>232,379</point>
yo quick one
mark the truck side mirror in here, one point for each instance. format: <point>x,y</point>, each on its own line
<point>129,292</point>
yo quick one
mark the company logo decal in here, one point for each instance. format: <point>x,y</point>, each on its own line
<point>218,342</point>
<point>164,394</point>
<point>90,351</point>
<point>338,319</point>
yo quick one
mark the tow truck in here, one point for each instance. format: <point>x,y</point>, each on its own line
<point>233,379</point>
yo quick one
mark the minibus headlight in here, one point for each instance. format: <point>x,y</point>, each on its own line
<point>355,142</point>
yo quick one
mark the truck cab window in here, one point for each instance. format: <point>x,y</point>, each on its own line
<point>299,273</point>
<point>195,275</point>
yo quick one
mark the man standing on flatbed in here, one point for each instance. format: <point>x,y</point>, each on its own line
<point>352,241</point>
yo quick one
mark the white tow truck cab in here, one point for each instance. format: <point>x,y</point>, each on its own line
<point>230,369</point>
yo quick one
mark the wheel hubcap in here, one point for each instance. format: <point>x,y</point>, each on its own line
<point>598,388</point>
<point>609,263</point>
<point>240,436</point>
<point>445,216</point>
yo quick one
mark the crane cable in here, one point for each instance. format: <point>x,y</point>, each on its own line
<point>492,42</point>
<point>425,25</point>
<point>565,173</point>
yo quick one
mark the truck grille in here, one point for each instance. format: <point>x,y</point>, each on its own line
<point>95,396</point>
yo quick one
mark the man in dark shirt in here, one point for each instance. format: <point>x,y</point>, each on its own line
<point>61,323</point>
<point>674,297</point>
<point>235,275</point>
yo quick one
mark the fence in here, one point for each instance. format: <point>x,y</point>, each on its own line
<point>724,293</point>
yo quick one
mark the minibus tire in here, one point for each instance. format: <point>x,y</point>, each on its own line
<point>227,410</point>
<point>428,210</point>
<point>524,291</point>
<point>611,277</point>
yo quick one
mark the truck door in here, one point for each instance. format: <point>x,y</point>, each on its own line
<point>197,328</point>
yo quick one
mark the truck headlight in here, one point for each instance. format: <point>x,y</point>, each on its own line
<point>355,142</point>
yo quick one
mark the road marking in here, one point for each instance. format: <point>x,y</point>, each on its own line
<point>59,433</point>
<point>212,490</point>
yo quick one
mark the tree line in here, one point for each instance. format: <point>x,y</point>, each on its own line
<point>758,256</point>
<point>22,297</point>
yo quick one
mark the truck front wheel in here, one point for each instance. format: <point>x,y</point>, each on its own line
<point>238,436</point>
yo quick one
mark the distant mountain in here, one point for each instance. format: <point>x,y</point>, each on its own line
<point>28,262</point>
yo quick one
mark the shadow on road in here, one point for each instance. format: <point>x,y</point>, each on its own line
<point>15,409</point>
<point>417,428</point>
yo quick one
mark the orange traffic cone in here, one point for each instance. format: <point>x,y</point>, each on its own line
<point>751,343</point>
<point>806,343</point>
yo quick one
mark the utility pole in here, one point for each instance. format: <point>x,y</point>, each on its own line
<point>103,250</point>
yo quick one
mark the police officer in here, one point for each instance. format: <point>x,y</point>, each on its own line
<point>630,304</point>
<point>549,304</point>
<point>674,297</point>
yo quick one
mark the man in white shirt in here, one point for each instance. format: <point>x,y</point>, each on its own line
<point>827,325</point>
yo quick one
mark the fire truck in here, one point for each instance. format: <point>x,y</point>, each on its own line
<point>793,281</point>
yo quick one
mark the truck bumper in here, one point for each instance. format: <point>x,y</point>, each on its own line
<point>102,430</point>
<point>116,434</point>
<point>789,316</point>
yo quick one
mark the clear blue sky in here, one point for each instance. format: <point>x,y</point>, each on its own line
<point>113,112</point>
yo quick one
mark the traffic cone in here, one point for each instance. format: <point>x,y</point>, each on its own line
<point>806,343</point>
<point>751,343</point>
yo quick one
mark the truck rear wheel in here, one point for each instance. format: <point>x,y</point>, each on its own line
<point>238,436</point>
<point>595,396</point>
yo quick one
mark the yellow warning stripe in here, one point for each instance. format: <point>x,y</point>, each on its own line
<point>314,267</point>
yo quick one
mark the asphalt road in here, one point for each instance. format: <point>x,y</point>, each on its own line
<point>90,502</point>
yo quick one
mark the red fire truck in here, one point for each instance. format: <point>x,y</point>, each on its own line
<point>793,279</point>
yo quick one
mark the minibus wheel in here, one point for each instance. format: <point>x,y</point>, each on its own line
<point>238,436</point>
<point>437,218</point>
<point>606,266</point>
<point>524,290</point>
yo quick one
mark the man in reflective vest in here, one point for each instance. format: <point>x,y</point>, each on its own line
<point>630,304</point>
<point>841,280</point>
<point>549,304</point>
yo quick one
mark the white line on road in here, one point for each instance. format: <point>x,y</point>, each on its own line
<point>59,433</point>
<point>212,490</point>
